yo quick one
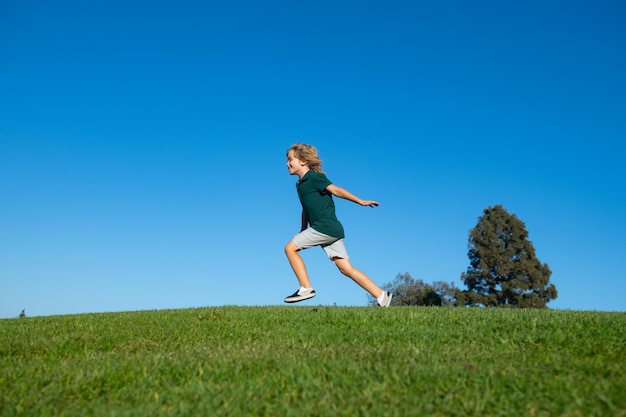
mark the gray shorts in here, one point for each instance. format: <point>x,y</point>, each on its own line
<point>334,247</point>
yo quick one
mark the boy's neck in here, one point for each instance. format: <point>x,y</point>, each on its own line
<point>303,171</point>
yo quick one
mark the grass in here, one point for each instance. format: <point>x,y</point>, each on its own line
<point>315,361</point>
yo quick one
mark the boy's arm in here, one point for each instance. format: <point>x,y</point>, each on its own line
<point>305,221</point>
<point>347,195</point>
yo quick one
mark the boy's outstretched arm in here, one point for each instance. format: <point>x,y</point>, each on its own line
<point>347,195</point>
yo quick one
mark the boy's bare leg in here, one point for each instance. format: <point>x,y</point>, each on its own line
<point>346,268</point>
<point>297,264</point>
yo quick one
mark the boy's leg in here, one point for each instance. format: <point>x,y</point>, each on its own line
<point>346,268</point>
<point>297,264</point>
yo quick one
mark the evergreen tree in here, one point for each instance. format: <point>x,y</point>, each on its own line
<point>504,271</point>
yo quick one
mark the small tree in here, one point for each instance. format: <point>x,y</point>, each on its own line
<point>504,271</point>
<point>447,291</point>
<point>408,291</point>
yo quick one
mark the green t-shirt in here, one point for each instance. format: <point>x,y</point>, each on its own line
<point>318,204</point>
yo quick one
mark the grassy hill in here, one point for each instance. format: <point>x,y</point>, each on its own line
<point>315,361</point>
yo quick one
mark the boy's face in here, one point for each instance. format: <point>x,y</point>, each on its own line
<point>296,166</point>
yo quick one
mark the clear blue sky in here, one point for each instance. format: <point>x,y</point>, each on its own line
<point>142,145</point>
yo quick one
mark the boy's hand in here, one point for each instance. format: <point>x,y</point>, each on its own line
<point>370,203</point>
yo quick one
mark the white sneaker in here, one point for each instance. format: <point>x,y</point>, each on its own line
<point>387,296</point>
<point>300,295</point>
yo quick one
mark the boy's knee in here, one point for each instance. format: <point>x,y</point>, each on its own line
<point>291,248</point>
<point>344,266</point>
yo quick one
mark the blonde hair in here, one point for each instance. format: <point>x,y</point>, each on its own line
<point>308,154</point>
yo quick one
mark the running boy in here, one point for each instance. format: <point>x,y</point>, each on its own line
<point>318,211</point>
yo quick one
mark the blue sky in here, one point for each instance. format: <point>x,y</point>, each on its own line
<point>142,145</point>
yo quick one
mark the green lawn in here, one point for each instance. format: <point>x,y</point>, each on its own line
<point>315,361</point>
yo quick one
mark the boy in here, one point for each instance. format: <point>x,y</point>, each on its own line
<point>318,211</point>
